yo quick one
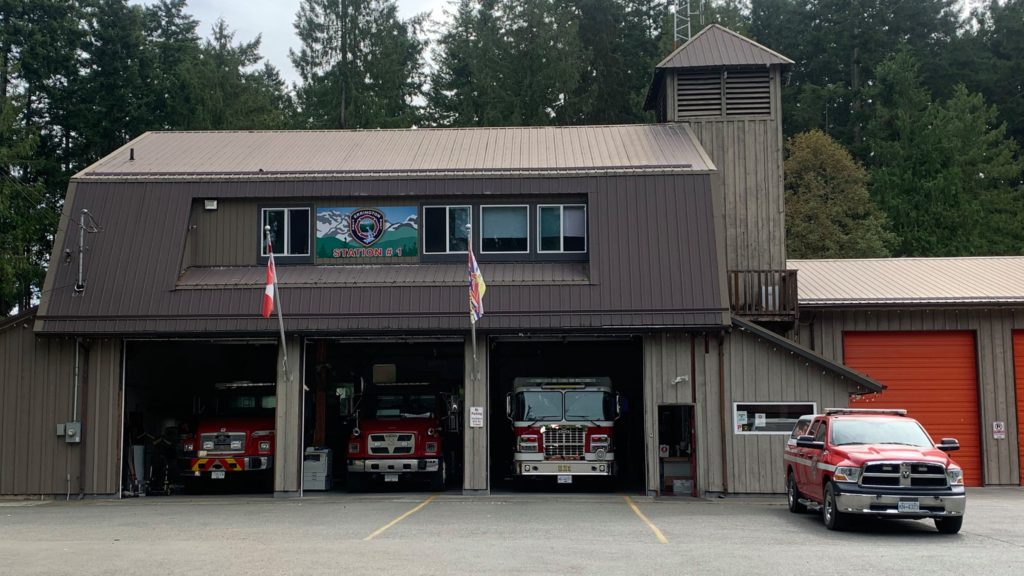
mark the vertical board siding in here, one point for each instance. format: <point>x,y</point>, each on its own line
<point>36,394</point>
<point>755,371</point>
<point>993,330</point>
<point>749,187</point>
<point>931,374</point>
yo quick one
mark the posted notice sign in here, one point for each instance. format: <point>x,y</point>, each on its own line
<point>476,416</point>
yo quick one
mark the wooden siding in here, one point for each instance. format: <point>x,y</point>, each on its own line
<point>755,371</point>
<point>994,336</point>
<point>666,270</point>
<point>36,394</point>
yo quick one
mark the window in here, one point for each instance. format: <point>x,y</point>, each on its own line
<point>504,229</point>
<point>769,417</point>
<point>444,229</point>
<point>562,228</point>
<point>289,231</point>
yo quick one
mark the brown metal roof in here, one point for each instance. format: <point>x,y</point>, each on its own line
<point>412,153</point>
<point>498,274</point>
<point>719,46</point>
<point>911,281</point>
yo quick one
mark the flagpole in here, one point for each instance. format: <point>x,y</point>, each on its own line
<point>472,319</point>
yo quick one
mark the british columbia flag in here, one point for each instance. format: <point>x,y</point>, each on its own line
<point>477,287</point>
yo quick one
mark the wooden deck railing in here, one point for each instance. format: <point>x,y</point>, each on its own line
<point>763,293</point>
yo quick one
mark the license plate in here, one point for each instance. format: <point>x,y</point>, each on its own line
<point>391,477</point>
<point>914,506</point>
<point>564,468</point>
<point>564,479</point>
<point>217,474</point>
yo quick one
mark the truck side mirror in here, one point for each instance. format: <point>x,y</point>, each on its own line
<point>618,406</point>
<point>948,445</point>
<point>508,405</point>
<point>808,442</point>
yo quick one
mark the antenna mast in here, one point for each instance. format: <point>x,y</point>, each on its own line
<point>682,17</point>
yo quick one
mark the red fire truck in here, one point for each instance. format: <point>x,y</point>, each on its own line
<point>563,427</point>
<point>403,431</point>
<point>233,432</point>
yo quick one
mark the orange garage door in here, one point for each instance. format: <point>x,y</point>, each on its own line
<point>933,375</point>
<point>1018,370</point>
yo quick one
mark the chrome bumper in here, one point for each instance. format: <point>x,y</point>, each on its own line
<point>574,468</point>
<point>888,505</point>
<point>392,466</point>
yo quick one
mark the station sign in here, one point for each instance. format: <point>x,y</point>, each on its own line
<point>368,232</point>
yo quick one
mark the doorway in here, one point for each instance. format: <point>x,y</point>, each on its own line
<point>677,457</point>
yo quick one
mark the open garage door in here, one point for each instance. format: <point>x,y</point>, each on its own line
<point>934,376</point>
<point>577,414</point>
<point>1018,371</point>
<point>387,412</point>
<point>199,416</point>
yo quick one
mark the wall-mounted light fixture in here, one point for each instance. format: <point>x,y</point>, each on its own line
<point>210,204</point>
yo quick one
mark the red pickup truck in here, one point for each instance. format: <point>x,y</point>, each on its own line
<point>872,462</point>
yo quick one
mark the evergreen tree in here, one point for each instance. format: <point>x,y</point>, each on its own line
<point>829,213</point>
<point>361,65</point>
<point>944,172</point>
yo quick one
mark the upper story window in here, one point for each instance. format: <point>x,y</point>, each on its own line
<point>444,229</point>
<point>504,229</point>
<point>562,228</point>
<point>289,231</point>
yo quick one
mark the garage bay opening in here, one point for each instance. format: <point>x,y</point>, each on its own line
<point>199,417</point>
<point>567,414</point>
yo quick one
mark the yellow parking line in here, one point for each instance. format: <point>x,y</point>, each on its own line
<point>657,533</point>
<point>381,530</point>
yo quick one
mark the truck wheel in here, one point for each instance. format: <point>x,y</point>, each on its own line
<point>439,478</point>
<point>950,525</point>
<point>834,519</point>
<point>793,496</point>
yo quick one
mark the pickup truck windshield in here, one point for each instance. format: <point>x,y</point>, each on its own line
<point>879,431</point>
<point>589,406</point>
<point>536,406</point>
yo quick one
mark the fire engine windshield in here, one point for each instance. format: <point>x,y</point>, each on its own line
<point>246,404</point>
<point>537,406</point>
<point>403,406</point>
<point>879,431</point>
<point>589,406</point>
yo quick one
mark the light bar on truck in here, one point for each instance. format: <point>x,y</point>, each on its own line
<point>893,411</point>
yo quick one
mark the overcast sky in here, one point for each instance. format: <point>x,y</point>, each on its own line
<point>274,19</point>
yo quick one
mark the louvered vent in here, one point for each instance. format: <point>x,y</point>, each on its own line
<point>698,94</point>
<point>747,93</point>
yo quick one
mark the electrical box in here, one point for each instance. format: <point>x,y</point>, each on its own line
<point>316,469</point>
<point>73,432</point>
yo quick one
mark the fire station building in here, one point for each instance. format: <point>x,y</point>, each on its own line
<point>651,255</point>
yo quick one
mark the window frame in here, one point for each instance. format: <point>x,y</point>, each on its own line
<point>480,234</point>
<point>561,230</point>
<point>447,227</point>
<point>287,231</point>
<point>736,426</point>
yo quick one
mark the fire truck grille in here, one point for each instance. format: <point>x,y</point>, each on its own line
<point>905,474</point>
<point>222,441</point>
<point>564,442</point>
<point>392,443</point>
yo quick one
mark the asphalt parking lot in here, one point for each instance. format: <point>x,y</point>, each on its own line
<point>423,533</point>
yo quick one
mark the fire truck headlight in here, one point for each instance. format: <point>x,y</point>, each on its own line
<point>188,447</point>
<point>208,445</point>
<point>528,443</point>
<point>265,446</point>
<point>236,444</point>
<point>431,447</point>
<point>353,448</point>
<point>600,454</point>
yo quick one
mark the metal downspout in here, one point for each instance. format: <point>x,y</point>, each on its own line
<point>723,416</point>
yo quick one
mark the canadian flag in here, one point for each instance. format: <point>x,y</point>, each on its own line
<point>268,294</point>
